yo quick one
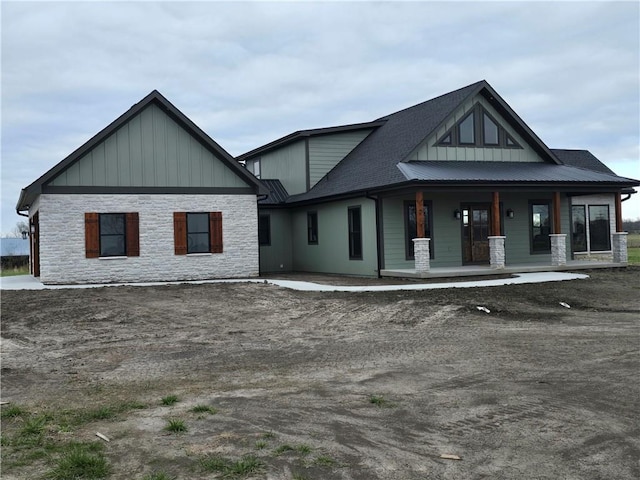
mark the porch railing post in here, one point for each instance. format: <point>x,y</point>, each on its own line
<point>619,247</point>
<point>497,257</point>
<point>421,255</point>
<point>558,249</point>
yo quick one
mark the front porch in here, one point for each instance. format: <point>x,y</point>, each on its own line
<point>482,270</point>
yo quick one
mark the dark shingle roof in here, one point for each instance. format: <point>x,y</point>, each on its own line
<point>581,159</point>
<point>372,163</point>
<point>507,172</point>
<point>277,193</point>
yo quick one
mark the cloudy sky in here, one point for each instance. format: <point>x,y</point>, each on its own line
<point>250,72</point>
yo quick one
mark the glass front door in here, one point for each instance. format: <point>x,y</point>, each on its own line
<point>476,222</point>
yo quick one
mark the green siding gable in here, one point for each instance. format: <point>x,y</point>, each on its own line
<point>429,151</point>
<point>326,151</point>
<point>150,150</point>
<point>287,164</point>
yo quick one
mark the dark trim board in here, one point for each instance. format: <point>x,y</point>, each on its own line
<point>149,190</point>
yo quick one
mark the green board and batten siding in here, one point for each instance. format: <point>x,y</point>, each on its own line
<point>278,256</point>
<point>326,151</point>
<point>288,164</point>
<point>429,151</point>
<point>331,253</point>
<point>150,150</point>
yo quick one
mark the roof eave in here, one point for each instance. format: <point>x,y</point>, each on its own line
<point>300,134</point>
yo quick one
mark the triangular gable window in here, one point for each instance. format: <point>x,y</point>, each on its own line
<point>477,129</point>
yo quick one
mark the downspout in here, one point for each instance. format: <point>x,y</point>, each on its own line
<point>378,232</point>
<point>27,215</point>
<point>626,198</point>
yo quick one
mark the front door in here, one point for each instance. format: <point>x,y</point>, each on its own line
<point>476,222</point>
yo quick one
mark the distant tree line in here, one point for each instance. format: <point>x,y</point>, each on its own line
<point>631,226</point>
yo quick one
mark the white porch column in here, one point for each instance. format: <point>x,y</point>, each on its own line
<point>619,247</point>
<point>558,249</point>
<point>421,254</point>
<point>496,251</point>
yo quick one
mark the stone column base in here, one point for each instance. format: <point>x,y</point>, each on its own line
<point>422,254</point>
<point>558,249</point>
<point>496,252</point>
<point>619,247</point>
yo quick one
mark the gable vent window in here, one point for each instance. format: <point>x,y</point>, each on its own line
<point>478,129</point>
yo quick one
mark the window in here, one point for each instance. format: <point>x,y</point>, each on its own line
<point>578,229</point>
<point>111,235</point>
<point>355,233</point>
<point>490,130</point>
<point>411,227</point>
<point>478,123</point>
<point>540,227</point>
<point>599,236</point>
<point>198,232</point>
<point>264,230</point>
<point>466,131</point>
<point>312,228</point>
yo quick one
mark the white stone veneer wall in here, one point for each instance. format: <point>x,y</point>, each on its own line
<point>62,238</point>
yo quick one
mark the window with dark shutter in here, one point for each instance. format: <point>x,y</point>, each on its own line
<point>215,230</point>
<point>133,234</point>
<point>180,232</point>
<point>91,235</point>
<point>197,232</point>
<point>111,234</point>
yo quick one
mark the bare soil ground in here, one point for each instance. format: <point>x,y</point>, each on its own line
<point>333,385</point>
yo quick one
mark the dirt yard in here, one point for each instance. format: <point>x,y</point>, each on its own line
<point>327,385</point>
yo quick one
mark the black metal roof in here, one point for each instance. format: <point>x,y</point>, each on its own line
<point>277,193</point>
<point>28,194</point>
<point>507,172</point>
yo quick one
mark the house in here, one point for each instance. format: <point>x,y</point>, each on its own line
<point>150,197</point>
<point>457,182</point>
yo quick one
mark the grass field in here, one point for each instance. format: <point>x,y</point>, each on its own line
<point>10,272</point>
<point>633,248</point>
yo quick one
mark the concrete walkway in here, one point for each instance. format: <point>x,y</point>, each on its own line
<point>27,282</point>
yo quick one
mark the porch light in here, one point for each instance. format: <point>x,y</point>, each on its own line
<point>510,213</point>
<point>456,214</point>
<point>33,229</point>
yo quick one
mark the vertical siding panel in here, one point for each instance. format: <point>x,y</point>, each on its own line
<point>183,159</point>
<point>124,162</point>
<point>135,150</point>
<point>99,166</point>
<point>146,128</point>
<point>172,153</point>
<point>160,147</point>
<point>86,169</point>
<point>208,163</point>
<point>111,160</point>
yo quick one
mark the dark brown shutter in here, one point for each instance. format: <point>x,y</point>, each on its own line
<point>215,231</point>
<point>91,235</point>
<point>180,232</point>
<point>133,234</point>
